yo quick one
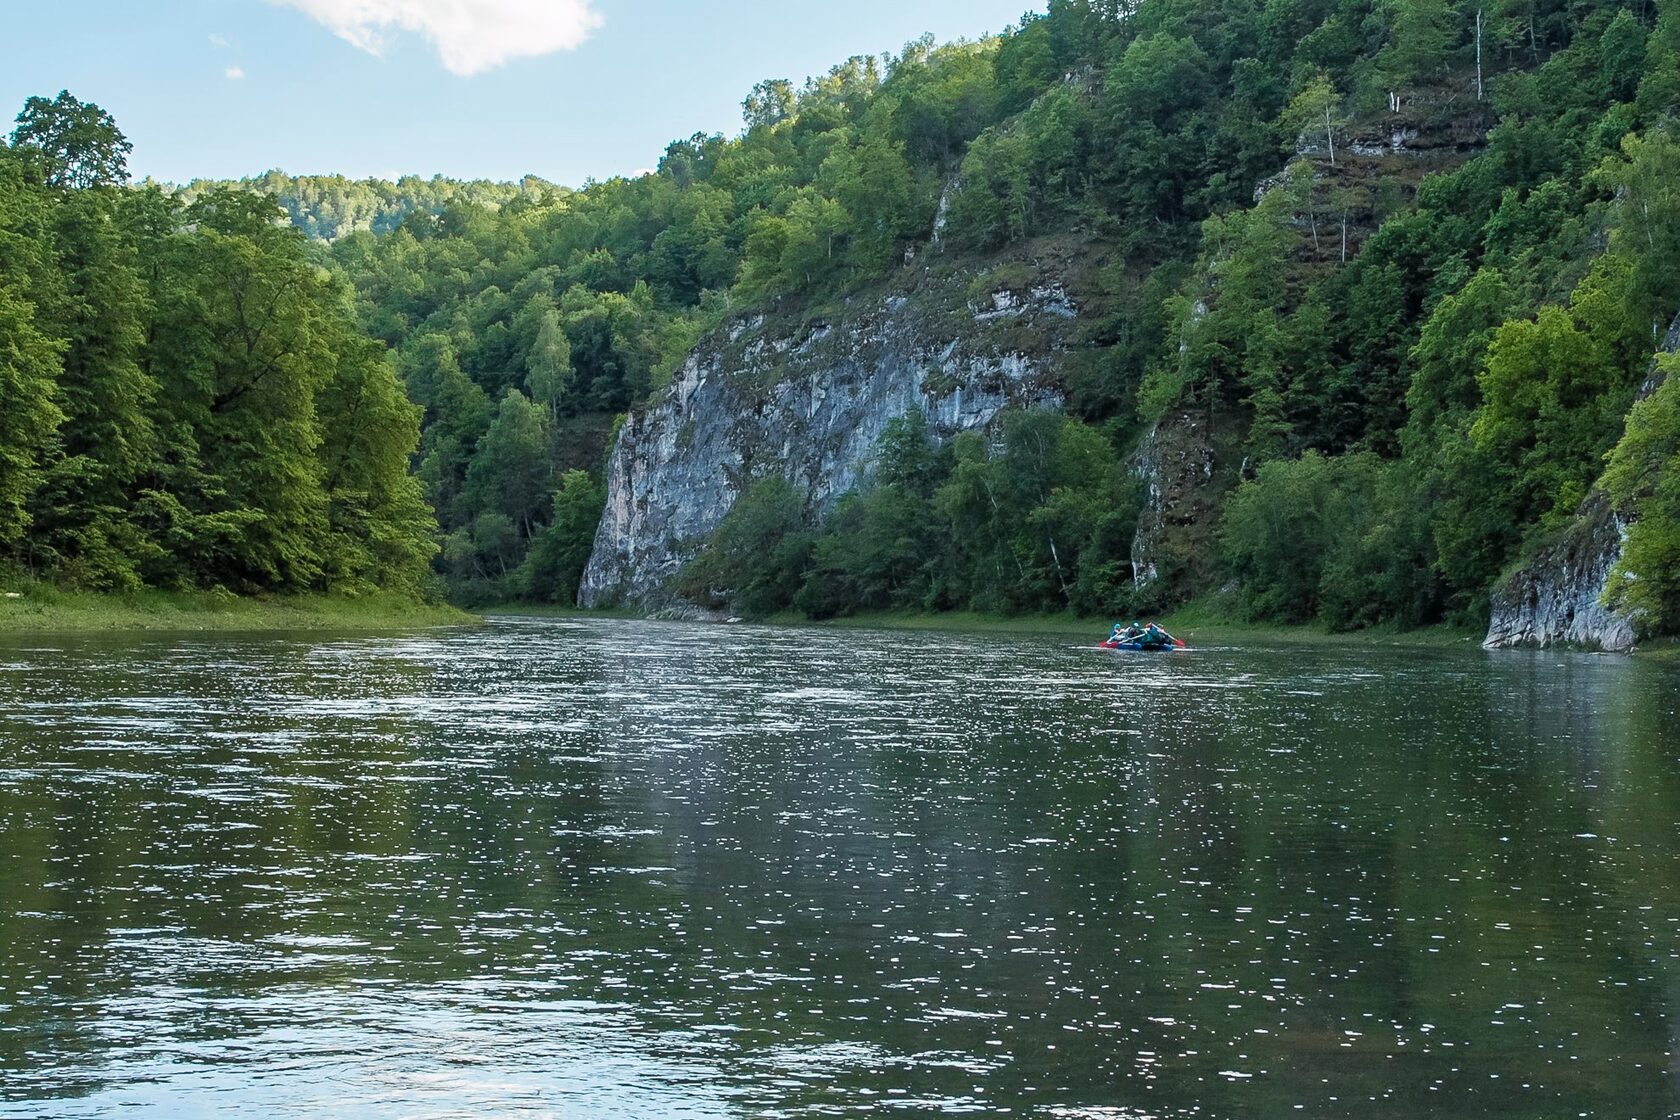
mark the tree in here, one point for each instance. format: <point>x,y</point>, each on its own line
<point>1317,107</point>
<point>549,366</point>
<point>29,416</point>
<point>769,104</point>
<point>1420,34</point>
<point>83,512</point>
<point>756,559</point>
<point>1554,392</point>
<point>1643,481</point>
<point>509,473</point>
<point>382,529</point>
<point>1647,178</point>
<point>242,343</point>
<point>1447,360</point>
<point>554,568</point>
<point>77,143</point>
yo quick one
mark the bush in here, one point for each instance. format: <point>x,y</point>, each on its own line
<point>756,560</point>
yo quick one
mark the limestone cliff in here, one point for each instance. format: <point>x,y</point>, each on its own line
<point>810,403</point>
<point>1555,599</point>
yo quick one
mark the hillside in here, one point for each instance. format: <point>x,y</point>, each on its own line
<point>1333,308</point>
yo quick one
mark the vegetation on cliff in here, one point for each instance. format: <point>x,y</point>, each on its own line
<point>1424,335</point>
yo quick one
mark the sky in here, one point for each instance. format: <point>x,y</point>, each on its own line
<point>565,89</point>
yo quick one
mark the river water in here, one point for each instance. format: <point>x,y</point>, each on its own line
<point>599,868</point>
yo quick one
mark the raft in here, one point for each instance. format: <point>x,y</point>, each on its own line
<point>1139,647</point>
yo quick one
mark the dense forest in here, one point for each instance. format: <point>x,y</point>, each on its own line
<point>186,399</point>
<point>1419,369</point>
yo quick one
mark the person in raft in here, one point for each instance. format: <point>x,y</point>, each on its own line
<point>1156,638</point>
<point>1125,634</point>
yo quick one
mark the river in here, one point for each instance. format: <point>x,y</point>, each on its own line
<point>558,868</point>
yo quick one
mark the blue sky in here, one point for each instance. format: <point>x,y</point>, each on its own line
<point>227,88</point>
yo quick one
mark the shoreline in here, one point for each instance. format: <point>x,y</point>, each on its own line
<point>46,610</point>
<point>1193,630</point>
<point>1193,625</point>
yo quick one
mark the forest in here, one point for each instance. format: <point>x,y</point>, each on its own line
<point>186,397</point>
<point>1420,372</point>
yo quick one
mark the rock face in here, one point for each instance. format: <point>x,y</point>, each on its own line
<point>1177,464</point>
<point>810,406</point>
<point>1555,599</point>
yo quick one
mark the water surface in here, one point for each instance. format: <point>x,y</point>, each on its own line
<point>583,868</point>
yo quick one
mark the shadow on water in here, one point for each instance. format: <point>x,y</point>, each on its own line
<point>568,868</point>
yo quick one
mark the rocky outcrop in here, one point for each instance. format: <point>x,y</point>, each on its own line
<point>810,405</point>
<point>1176,463</point>
<point>1557,597</point>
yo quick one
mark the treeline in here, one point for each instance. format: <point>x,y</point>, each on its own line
<point>1423,372</point>
<point>328,207</point>
<point>186,400</point>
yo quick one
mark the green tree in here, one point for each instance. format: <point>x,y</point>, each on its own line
<point>76,143</point>
<point>29,415</point>
<point>755,561</point>
<point>1643,481</point>
<point>560,553</point>
<point>82,519</point>
<point>549,366</point>
<point>1317,108</point>
<point>510,472</point>
<point>1421,35</point>
<point>383,532</point>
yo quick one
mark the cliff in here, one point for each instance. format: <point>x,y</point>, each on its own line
<point>1556,598</point>
<point>810,402</point>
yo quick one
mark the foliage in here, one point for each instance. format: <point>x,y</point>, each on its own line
<point>1418,359</point>
<point>1644,478</point>
<point>185,401</point>
<point>1342,539</point>
<point>554,568</point>
<point>1043,524</point>
<point>757,556</point>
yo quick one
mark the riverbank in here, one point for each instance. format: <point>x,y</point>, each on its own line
<point>1195,624</point>
<point>42,609</point>
<point>1194,627</point>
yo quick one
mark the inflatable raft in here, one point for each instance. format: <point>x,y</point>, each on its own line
<point>1139,647</point>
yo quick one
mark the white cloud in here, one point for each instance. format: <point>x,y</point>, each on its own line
<point>219,42</point>
<point>234,73</point>
<point>471,36</point>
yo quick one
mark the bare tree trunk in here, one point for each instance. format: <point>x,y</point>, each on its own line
<point>1480,23</point>
<point>1060,577</point>
<point>1330,137</point>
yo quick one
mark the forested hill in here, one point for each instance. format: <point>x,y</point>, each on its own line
<point>1397,268</point>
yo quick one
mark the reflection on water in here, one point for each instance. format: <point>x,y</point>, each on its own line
<point>573,869</point>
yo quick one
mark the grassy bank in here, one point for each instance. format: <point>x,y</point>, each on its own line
<point>43,609</point>
<point>1199,624</point>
